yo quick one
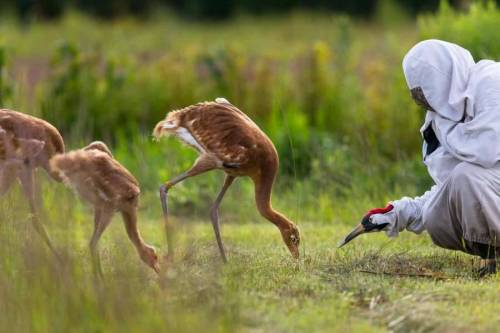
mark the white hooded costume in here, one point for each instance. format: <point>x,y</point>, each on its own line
<point>464,205</point>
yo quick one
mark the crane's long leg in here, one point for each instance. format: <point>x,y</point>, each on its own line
<point>203,164</point>
<point>27,182</point>
<point>9,164</point>
<point>102,218</point>
<point>214,214</point>
<point>8,174</point>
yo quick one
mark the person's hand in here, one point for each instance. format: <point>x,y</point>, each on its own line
<point>376,219</point>
<point>380,218</point>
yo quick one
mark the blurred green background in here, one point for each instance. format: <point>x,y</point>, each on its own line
<point>214,10</point>
<point>322,78</point>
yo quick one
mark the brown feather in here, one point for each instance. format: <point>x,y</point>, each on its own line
<point>97,177</point>
<point>20,126</point>
<point>228,139</point>
<point>24,126</point>
<point>108,186</point>
<point>222,130</point>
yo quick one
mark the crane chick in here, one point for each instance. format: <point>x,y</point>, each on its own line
<point>103,182</point>
<point>227,139</point>
<point>26,144</point>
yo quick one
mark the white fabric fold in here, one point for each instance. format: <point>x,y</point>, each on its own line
<point>408,213</point>
<point>465,97</point>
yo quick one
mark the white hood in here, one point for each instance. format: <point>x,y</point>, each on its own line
<point>441,69</point>
<point>464,95</point>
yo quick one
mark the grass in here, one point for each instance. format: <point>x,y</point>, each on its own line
<point>261,289</point>
<point>346,143</point>
<point>164,33</point>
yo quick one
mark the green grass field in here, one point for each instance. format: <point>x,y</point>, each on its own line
<point>374,284</point>
<point>329,92</point>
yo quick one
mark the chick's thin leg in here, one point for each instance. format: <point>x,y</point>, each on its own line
<point>102,218</point>
<point>26,176</point>
<point>214,215</point>
<point>203,164</point>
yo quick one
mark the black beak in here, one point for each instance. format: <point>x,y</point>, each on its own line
<point>362,228</point>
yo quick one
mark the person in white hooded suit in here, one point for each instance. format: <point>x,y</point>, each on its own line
<point>461,150</point>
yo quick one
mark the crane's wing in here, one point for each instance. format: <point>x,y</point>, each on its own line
<point>222,130</point>
<point>112,178</point>
<point>29,148</point>
<point>12,147</point>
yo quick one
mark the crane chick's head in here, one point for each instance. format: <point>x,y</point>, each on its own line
<point>99,145</point>
<point>163,128</point>
<point>291,237</point>
<point>150,257</point>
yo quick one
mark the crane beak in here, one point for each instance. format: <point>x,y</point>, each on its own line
<point>360,229</point>
<point>364,227</point>
<point>163,128</point>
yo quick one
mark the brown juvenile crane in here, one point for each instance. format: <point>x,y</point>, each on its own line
<point>27,143</point>
<point>228,140</point>
<point>99,179</point>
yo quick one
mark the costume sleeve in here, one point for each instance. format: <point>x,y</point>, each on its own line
<point>407,214</point>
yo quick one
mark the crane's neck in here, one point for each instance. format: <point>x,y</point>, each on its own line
<point>130,219</point>
<point>263,193</point>
<point>289,231</point>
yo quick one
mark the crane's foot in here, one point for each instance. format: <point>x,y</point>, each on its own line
<point>223,257</point>
<point>97,269</point>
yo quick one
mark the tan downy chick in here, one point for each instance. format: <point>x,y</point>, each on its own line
<point>27,143</point>
<point>228,140</point>
<point>103,182</point>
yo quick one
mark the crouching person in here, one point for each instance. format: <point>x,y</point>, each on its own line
<point>461,150</point>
